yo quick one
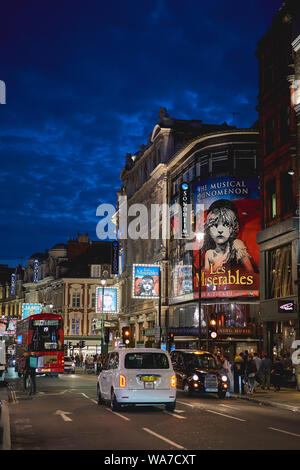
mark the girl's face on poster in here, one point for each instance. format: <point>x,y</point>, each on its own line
<point>221,230</point>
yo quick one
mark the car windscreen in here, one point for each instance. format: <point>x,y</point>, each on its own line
<point>146,361</point>
<point>201,361</point>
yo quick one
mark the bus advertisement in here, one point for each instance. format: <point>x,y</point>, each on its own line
<point>41,335</point>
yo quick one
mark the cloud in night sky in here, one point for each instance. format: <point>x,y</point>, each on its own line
<point>85,80</point>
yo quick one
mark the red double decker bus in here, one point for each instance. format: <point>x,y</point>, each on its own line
<point>41,335</point>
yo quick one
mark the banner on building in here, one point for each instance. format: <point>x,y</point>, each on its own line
<point>145,281</point>
<point>115,258</point>
<point>109,296</point>
<point>31,309</point>
<point>229,221</point>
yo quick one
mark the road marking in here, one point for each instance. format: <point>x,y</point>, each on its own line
<point>285,432</point>
<point>85,396</point>
<point>118,414</point>
<point>228,406</point>
<point>164,439</point>
<point>64,414</point>
<point>94,401</point>
<point>226,416</point>
<point>174,415</point>
<point>184,403</point>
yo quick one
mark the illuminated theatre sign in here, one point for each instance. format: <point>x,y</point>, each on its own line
<point>229,220</point>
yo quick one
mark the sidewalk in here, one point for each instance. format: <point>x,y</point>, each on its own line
<point>287,398</point>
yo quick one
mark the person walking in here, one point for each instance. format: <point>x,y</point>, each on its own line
<point>257,361</point>
<point>226,367</point>
<point>277,374</point>
<point>265,372</point>
<point>250,373</point>
<point>30,371</point>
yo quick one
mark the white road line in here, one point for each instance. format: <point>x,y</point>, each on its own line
<point>227,406</point>
<point>94,401</point>
<point>85,396</point>
<point>118,414</point>
<point>184,403</point>
<point>226,416</point>
<point>174,415</point>
<point>164,439</point>
<point>285,432</point>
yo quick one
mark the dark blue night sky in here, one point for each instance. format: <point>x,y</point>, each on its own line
<point>85,80</point>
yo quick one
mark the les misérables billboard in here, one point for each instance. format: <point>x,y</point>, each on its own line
<point>229,220</point>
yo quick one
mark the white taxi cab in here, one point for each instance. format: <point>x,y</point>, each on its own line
<point>137,376</point>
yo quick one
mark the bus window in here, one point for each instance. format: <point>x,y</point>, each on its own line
<point>46,335</point>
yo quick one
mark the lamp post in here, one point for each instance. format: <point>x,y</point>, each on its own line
<point>103,282</point>
<point>199,237</point>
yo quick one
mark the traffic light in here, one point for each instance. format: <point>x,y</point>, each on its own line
<point>171,338</point>
<point>212,328</point>
<point>126,335</point>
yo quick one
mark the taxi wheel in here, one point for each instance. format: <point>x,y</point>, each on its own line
<point>221,394</point>
<point>99,397</point>
<point>113,402</point>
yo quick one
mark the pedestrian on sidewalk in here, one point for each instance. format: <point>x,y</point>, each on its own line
<point>265,372</point>
<point>250,373</point>
<point>226,367</point>
<point>277,374</point>
<point>257,361</point>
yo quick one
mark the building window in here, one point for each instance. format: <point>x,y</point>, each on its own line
<point>286,191</point>
<point>75,326</point>
<point>284,124</point>
<point>96,270</point>
<point>280,272</point>
<point>245,161</point>
<point>270,127</point>
<point>93,300</point>
<point>204,166</point>
<point>76,300</point>
<point>219,163</point>
<point>271,199</point>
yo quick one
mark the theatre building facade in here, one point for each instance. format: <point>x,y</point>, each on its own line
<point>217,174</point>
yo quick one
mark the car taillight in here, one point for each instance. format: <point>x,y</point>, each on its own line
<point>173,381</point>
<point>122,381</point>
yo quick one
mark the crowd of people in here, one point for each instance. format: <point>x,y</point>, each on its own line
<point>257,370</point>
<point>89,362</point>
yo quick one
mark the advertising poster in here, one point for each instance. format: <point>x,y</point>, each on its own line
<point>228,216</point>
<point>110,300</point>
<point>183,280</point>
<point>31,309</point>
<point>145,281</point>
<point>8,326</point>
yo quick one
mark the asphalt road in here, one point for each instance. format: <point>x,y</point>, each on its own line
<point>64,415</point>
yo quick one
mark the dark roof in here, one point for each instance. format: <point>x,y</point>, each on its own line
<point>97,253</point>
<point>59,246</point>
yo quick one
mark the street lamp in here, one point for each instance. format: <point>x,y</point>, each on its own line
<point>103,282</point>
<point>199,236</point>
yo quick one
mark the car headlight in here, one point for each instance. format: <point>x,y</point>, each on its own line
<point>195,377</point>
<point>224,378</point>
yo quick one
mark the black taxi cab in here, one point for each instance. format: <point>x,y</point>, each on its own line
<point>197,371</point>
